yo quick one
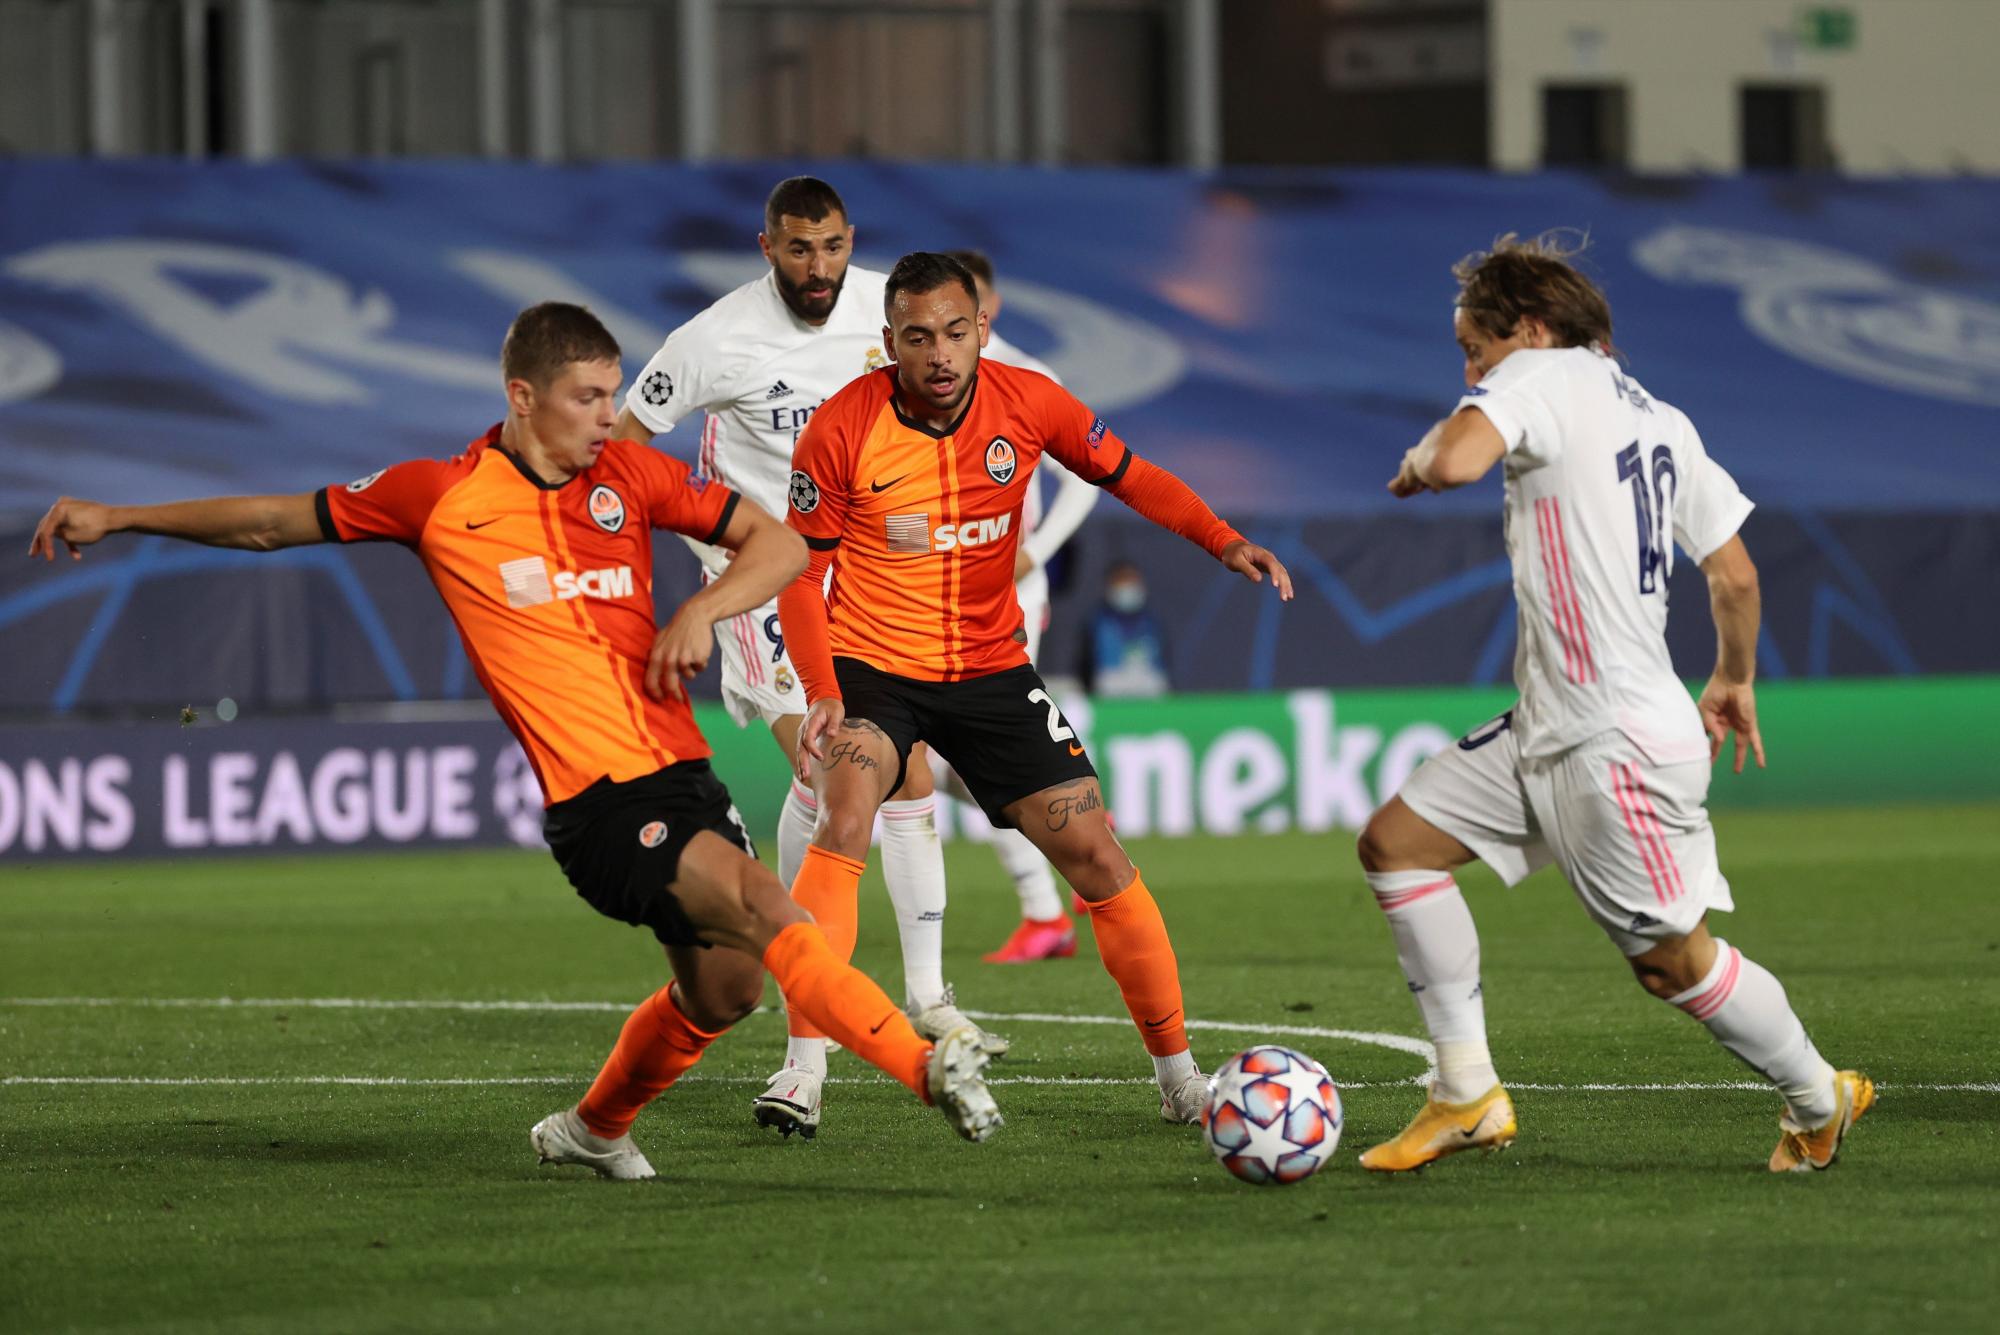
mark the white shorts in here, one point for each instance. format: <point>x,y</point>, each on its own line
<point>1632,837</point>
<point>759,682</point>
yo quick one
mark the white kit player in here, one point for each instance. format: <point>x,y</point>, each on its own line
<point>1045,930</point>
<point>759,362</point>
<point>1602,767</point>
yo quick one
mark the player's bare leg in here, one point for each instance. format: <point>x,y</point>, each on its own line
<point>1045,931</point>
<point>1409,863</point>
<point>1067,823</point>
<point>1745,1007</point>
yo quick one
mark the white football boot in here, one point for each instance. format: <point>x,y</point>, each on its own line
<point>790,1102</point>
<point>958,1084</point>
<point>944,1016</point>
<point>1182,1103</point>
<point>563,1138</point>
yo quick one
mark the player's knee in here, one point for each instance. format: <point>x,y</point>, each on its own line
<point>768,910</point>
<point>1375,846</point>
<point>1667,970</point>
<point>1099,871</point>
<point>719,1004</point>
<point>844,828</point>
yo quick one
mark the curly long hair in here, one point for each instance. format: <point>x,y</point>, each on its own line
<point>1518,278</point>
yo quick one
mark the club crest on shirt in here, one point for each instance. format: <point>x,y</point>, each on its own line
<point>1000,460</point>
<point>804,493</point>
<point>784,679</point>
<point>364,483</point>
<point>653,833</point>
<point>874,361</point>
<point>607,509</point>
<point>657,389</point>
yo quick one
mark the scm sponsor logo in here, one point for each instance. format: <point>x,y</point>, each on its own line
<point>973,532</point>
<point>614,582</point>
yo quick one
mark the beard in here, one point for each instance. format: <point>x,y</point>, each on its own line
<point>811,307</point>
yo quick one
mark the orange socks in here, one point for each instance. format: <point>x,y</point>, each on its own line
<point>1132,941</point>
<point>828,887</point>
<point>656,1045</point>
<point>845,1002</point>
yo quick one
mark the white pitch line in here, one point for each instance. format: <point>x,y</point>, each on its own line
<point>427,1082</point>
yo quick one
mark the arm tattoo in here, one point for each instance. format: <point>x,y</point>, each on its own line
<point>1086,797</point>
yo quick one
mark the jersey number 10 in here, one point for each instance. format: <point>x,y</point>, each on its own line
<point>1652,504</point>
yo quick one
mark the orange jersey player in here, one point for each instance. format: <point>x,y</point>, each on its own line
<point>909,482</point>
<point>539,539</point>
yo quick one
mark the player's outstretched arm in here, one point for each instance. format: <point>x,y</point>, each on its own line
<point>769,556</point>
<point>1729,702</point>
<point>631,428</point>
<point>1455,453</point>
<point>253,523</point>
<point>1169,502</point>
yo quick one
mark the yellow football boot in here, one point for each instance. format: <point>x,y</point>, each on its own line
<point>1803,1151</point>
<point>1486,1123</point>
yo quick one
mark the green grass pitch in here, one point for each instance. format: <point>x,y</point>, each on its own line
<point>271,1199</point>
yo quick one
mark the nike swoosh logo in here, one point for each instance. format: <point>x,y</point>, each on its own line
<point>1075,750</point>
<point>884,1020</point>
<point>482,523</point>
<point>884,486</point>
<point>1162,1022</point>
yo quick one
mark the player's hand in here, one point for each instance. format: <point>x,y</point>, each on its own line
<point>1023,563</point>
<point>1253,563</point>
<point>1731,707</point>
<point>1406,482</point>
<point>76,524</point>
<point>823,720</point>
<point>680,650</point>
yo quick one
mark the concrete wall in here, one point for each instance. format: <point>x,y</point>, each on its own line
<point>1915,93</point>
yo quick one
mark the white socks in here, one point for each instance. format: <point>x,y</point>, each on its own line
<point>913,868</point>
<point>1034,878</point>
<point>1744,1006</point>
<point>795,830</point>
<point>1170,1071</point>
<point>1439,950</point>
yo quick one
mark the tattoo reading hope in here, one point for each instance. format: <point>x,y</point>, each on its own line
<point>1062,808</point>
<point>852,753</point>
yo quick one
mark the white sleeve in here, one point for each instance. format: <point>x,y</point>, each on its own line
<point>1519,398</point>
<point>678,380</point>
<point>1708,505</point>
<point>1065,514</point>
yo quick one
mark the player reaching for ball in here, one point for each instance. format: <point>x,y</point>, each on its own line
<point>1603,765</point>
<point>539,539</point>
<point>909,484</point>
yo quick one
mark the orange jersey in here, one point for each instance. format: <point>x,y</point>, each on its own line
<point>924,525</point>
<point>552,592</point>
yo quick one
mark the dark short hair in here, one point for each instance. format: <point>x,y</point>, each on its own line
<point>544,339</point>
<point>976,264</point>
<point>926,271</point>
<point>1517,279</point>
<point>805,197</point>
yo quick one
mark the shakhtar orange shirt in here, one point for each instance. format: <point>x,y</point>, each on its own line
<point>551,588</point>
<point>923,525</point>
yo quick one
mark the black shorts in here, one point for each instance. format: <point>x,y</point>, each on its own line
<point>1001,732</point>
<point>620,843</point>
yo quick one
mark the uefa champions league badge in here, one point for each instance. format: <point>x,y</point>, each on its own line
<point>657,388</point>
<point>607,508</point>
<point>1841,312</point>
<point>803,492</point>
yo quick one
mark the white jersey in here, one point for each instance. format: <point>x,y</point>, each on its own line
<point>759,372</point>
<point>1601,480</point>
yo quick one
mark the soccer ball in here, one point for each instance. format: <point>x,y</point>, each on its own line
<point>1272,1116</point>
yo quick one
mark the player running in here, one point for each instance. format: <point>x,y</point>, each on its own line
<point>1603,765</point>
<point>759,362</point>
<point>539,539</point>
<point>1045,930</point>
<point>909,483</point>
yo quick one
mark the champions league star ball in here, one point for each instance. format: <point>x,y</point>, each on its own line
<point>1272,1116</point>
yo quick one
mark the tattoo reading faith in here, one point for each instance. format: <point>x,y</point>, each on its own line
<point>1061,809</point>
<point>852,753</point>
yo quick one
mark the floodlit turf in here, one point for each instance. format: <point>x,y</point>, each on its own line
<point>315,1206</point>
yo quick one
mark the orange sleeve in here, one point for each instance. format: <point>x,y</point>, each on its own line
<point>393,504</point>
<point>802,621</point>
<point>680,501</point>
<point>1080,441</point>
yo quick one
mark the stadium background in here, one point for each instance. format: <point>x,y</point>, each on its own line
<point>268,246</point>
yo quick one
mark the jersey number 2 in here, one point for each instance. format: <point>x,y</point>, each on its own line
<point>1057,732</point>
<point>1652,506</point>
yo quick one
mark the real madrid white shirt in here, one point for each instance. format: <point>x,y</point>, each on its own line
<point>1602,479</point>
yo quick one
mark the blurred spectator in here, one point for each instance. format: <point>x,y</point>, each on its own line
<point>1125,649</point>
